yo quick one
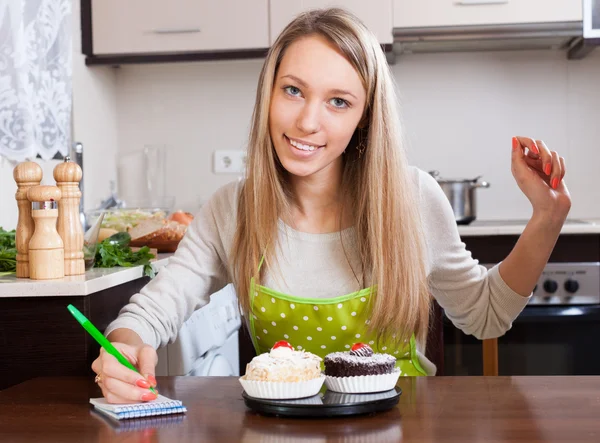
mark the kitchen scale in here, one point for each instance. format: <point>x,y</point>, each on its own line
<point>326,404</point>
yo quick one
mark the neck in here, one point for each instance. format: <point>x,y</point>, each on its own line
<point>317,205</point>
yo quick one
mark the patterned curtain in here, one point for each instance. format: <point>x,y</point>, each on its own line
<point>35,78</point>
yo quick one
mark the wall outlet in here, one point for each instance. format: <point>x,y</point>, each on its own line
<point>229,162</point>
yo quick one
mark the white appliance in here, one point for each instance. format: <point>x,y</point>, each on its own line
<point>591,19</point>
<point>207,343</point>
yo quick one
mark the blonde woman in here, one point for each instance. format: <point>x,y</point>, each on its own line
<point>332,238</point>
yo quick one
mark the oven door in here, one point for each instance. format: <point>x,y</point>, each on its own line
<point>544,340</point>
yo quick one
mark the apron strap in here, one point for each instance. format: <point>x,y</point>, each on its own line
<point>262,259</point>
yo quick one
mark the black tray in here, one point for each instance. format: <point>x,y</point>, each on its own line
<point>326,404</point>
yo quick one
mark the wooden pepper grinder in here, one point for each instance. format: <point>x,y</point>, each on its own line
<point>68,175</point>
<point>46,248</point>
<point>26,174</point>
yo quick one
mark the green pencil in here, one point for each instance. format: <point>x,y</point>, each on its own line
<point>102,341</point>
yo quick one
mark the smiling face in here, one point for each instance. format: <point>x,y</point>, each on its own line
<point>317,102</point>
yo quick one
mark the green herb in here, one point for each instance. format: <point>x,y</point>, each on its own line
<point>115,251</point>
<point>8,252</point>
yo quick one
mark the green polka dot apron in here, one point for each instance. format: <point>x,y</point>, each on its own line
<point>321,325</point>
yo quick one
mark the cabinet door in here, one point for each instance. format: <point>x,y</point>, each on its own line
<point>423,13</point>
<point>158,26</point>
<point>375,14</point>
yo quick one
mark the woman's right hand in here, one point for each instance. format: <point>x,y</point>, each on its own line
<point>120,384</point>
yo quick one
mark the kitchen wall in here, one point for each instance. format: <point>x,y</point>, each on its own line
<point>459,114</point>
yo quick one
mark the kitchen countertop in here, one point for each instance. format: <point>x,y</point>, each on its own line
<point>516,227</point>
<point>431,409</point>
<point>94,280</point>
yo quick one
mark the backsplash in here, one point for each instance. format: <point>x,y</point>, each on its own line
<point>459,113</point>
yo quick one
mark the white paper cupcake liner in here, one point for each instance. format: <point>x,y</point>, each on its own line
<point>363,383</point>
<point>274,390</point>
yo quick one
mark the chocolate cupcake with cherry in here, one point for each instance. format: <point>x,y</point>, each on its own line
<point>360,370</point>
<point>283,373</point>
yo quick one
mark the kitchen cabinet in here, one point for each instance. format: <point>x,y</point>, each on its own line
<point>429,13</point>
<point>41,338</point>
<point>376,14</point>
<point>178,26</point>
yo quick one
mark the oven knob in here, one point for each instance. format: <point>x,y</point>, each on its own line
<point>571,286</point>
<point>550,286</point>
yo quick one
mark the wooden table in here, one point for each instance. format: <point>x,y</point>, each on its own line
<point>431,409</point>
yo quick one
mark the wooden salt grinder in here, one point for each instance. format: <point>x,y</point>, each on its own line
<point>68,175</point>
<point>26,174</point>
<point>46,248</point>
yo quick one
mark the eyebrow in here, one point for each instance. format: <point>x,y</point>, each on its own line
<point>333,91</point>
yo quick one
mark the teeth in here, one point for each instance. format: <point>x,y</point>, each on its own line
<point>301,146</point>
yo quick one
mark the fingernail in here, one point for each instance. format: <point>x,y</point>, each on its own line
<point>547,169</point>
<point>535,149</point>
<point>554,182</point>
<point>143,383</point>
<point>515,143</point>
<point>148,397</point>
<point>152,380</point>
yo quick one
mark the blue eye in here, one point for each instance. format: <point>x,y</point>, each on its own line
<point>292,90</point>
<point>339,103</point>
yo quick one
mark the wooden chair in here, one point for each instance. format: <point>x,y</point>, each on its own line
<point>434,350</point>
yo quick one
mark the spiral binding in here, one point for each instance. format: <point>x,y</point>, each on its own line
<point>144,409</point>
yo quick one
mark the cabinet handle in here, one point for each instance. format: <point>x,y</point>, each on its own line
<point>480,2</point>
<point>176,31</point>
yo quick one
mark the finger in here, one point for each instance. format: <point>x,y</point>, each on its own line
<point>534,163</point>
<point>556,170</point>
<point>113,369</point>
<point>115,390</point>
<point>546,156</point>
<point>113,398</point>
<point>97,365</point>
<point>147,363</point>
<point>529,143</point>
<point>519,166</point>
<point>562,167</point>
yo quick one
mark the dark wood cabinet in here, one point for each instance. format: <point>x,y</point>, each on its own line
<point>39,337</point>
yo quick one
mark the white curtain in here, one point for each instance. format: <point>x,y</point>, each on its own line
<point>35,78</point>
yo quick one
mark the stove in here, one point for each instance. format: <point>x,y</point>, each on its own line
<point>568,284</point>
<point>558,329</point>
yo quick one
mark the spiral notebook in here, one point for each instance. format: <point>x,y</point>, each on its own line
<point>161,406</point>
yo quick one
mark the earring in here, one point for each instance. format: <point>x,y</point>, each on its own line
<point>360,147</point>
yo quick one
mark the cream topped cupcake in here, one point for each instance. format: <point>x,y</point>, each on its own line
<point>283,373</point>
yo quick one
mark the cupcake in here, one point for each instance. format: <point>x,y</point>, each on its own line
<point>360,371</point>
<point>283,373</point>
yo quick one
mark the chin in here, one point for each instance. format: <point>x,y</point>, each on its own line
<point>298,170</point>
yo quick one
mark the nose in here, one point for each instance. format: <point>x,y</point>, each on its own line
<point>309,118</point>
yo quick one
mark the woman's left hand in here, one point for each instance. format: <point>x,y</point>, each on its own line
<point>539,174</point>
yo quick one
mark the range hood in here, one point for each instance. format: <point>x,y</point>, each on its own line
<point>561,35</point>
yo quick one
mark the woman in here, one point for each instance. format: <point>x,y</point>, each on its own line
<point>332,238</point>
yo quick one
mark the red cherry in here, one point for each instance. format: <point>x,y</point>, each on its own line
<point>356,346</point>
<point>282,343</point>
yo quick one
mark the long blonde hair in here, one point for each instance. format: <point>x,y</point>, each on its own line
<point>385,210</point>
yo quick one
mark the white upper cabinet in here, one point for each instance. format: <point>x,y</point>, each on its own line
<point>159,26</point>
<point>425,13</point>
<point>375,14</point>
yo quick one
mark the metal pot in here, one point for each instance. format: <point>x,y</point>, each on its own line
<point>461,194</point>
